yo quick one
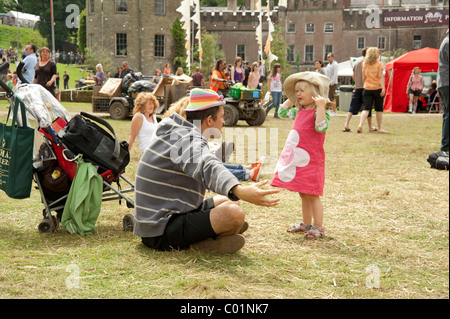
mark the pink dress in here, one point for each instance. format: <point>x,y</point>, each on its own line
<point>301,166</point>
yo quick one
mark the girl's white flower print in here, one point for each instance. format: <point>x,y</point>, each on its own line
<point>291,158</point>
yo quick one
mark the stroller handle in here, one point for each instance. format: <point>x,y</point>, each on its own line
<point>3,66</point>
<point>5,87</point>
<point>19,72</point>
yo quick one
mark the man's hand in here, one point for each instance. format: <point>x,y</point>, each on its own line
<point>255,195</point>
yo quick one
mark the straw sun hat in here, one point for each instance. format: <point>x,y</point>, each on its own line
<point>320,81</point>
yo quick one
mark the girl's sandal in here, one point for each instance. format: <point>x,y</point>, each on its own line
<point>315,233</point>
<point>302,228</point>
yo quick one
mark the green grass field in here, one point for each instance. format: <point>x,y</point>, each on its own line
<point>26,35</point>
<point>386,219</point>
<point>74,71</point>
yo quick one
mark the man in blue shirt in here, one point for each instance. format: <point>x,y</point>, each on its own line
<point>29,63</point>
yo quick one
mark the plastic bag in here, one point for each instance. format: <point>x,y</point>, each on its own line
<point>266,98</point>
<point>40,104</point>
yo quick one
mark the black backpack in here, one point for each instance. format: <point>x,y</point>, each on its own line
<point>82,136</point>
<point>439,160</point>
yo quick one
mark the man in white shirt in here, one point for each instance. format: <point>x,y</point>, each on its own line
<point>332,74</point>
<point>29,63</point>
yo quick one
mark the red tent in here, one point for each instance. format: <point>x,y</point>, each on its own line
<point>398,72</point>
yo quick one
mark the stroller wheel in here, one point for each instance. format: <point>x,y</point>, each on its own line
<point>47,225</point>
<point>128,222</point>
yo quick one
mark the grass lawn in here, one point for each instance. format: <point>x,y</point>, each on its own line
<point>386,218</point>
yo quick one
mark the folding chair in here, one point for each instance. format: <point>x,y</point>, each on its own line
<point>435,105</point>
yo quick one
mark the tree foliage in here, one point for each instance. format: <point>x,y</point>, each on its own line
<point>82,32</point>
<point>63,31</point>
<point>179,45</point>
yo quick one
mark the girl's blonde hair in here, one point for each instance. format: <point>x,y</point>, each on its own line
<point>254,64</point>
<point>178,107</point>
<point>371,56</point>
<point>143,97</point>
<point>414,70</point>
<point>303,85</point>
<point>180,71</point>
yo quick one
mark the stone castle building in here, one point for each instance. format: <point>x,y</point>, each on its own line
<point>138,31</point>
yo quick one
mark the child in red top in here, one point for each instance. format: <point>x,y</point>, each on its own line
<point>301,167</point>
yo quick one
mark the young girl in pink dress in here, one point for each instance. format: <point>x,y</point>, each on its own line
<point>301,166</point>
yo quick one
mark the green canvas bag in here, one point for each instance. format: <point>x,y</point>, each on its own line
<point>16,155</point>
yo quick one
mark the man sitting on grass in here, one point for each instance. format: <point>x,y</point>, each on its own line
<point>173,175</point>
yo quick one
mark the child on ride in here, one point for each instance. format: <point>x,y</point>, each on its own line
<point>301,166</point>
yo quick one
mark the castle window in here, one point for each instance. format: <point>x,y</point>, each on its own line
<point>91,6</point>
<point>159,45</point>
<point>417,43</point>
<point>240,51</point>
<point>329,27</point>
<point>361,43</point>
<point>309,53</point>
<point>309,28</point>
<point>328,48</point>
<point>160,6</point>
<point>290,53</point>
<point>291,28</point>
<point>382,43</point>
<point>121,6</point>
<point>121,44</point>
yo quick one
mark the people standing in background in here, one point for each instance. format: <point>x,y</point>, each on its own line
<point>30,62</point>
<point>66,78</point>
<point>247,70</point>
<point>357,98</point>
<point>253,78</point>
<point>320,67</point>
<point>125,69</point>
<point>237,71</point>
<point>157,77</point>
<point>219,79</point>
<point>10,81</point>
<point>332,74</point>
<point>198,78</point>
<point>275,86</point>
<point>180,71</point>
<point>45,71</point>
<point>262,72</point>
<point>167,69</point>
<point>119,71</point>
<point>414,89</point>
<point>373,88</point>
<point>99,77</point>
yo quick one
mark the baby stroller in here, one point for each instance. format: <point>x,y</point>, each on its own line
<point>58,145</point>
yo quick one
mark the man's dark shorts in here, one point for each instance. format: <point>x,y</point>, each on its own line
<point>182,230</point>
<point>357,102</point>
